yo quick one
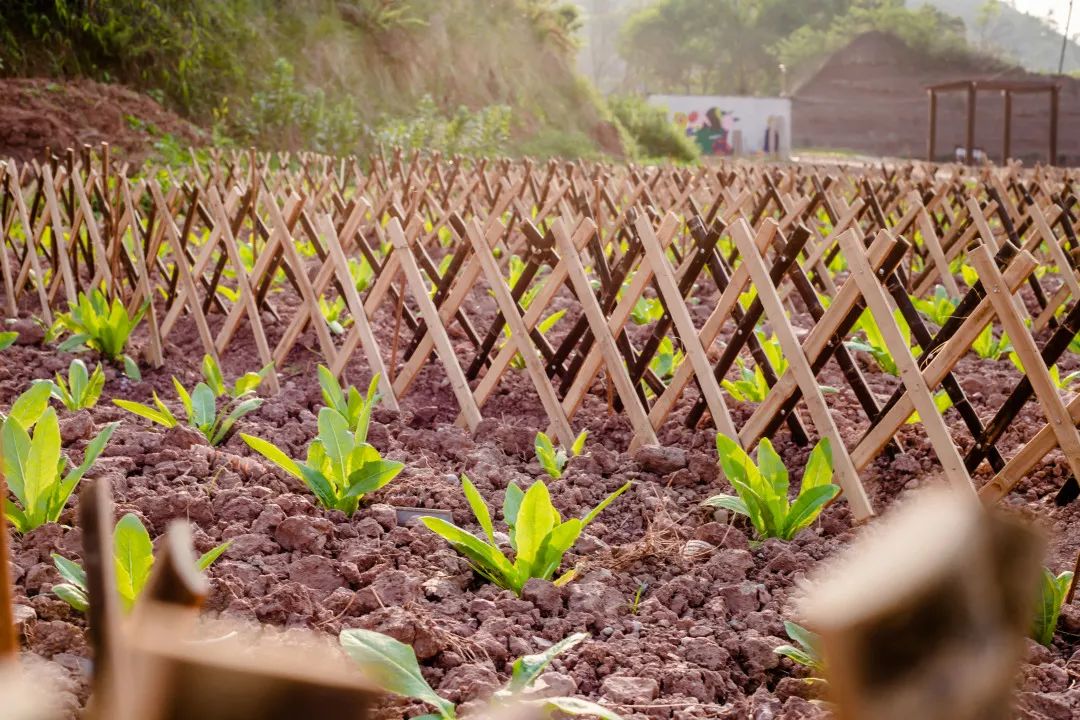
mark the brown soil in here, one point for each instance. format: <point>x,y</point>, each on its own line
<point>38,113</point>
<point>699,645</point>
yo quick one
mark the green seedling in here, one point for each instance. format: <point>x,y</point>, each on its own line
<point>7,339</point>
<point>667,359</point>
<point>874,343</point>
<point>1053,591</point>
<point>393,666</point>
<point>938,308</point>
<point>334,315</point>
<point>245,384</point>
<point>554,460</point>
<point>341,467</point>
<point>751,385</point>
<point>348,402</point>
<point>200,406</point>
<point>81,390</point>
<point>989,347</point>
<point>133,557</point>
<point>1061,383</point>
<point>39,475</point>
<point>762,488</point>
<point>942,402</point>
<point>635,604</point>
<point>102,326</point>
<point>538,535</point>
<point>807,648</point>
<point>646,310</point>
<point>543,327</point>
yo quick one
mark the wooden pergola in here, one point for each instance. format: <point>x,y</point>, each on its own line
<point>1007,88</point>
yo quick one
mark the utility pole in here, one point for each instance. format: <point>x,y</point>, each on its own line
<point>1065,39</point>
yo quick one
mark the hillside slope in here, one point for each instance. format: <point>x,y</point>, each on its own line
<point>328,75</point>
<point>1025,39</point>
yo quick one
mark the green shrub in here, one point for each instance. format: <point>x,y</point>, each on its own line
<point>654,134</point>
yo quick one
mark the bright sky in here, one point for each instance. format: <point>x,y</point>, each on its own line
<point>1043,8</point>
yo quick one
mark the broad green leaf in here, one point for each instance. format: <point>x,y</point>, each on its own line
<point>536,518</point>
<point>807,507</point>
<point>371,476</point>
<point>31,405</point>
<point>772,469</point>
<point>7,339</point>
<point>204,407</point>
<point>578,706</point>
<point>819,466</point>
<point>74,596</point>
<point>134,554</point>
<point>479,507</point>
<point>527,669</point>
<point>337,441</point>
<point>42,461</point>
<point>273,454</point>
<point>579,443</point>
<point>493,561</point>
<point>16,445</point>
<point>393,666</point>
<point>212,374</point>
<point>70,571</point>
<point>512,504</point>
<point>145,411</point>
<point>730,503</point>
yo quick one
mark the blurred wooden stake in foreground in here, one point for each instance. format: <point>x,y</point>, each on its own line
<point>925,615</point>
<point>160,664</point>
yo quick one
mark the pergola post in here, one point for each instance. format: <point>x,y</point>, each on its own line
<point>1007,148</point>
<point>1054,106</point>
<point>931,150</point>
<point>970,136</point>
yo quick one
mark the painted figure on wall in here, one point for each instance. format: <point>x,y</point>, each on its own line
<point>711,130</point>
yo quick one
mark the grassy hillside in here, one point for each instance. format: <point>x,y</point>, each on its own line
<point>462,75</point>
<point>1027,40</point>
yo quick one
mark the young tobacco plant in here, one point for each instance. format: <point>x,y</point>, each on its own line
<point>7,339</point>
<point>393,666</point>
<point>133,558</point>
<point>1053,591</point>
<point>39,475</point>
<point>81,390</point>
<point>875,341</point>
<point>348,402</point>
<point>200,404</point>
<point>807,648</point>
<point>538,535</point>
<point>751,385</point>
<point>938,308</point>
<point>1061,383</point>
<point>554,460</point>
<point>102,326</point>
<point>667,360</point>
<point>990,347</point>
<point>341,466</point>
<point>762,488</point>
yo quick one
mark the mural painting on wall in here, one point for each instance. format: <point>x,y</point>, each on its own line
<point>711,130</point>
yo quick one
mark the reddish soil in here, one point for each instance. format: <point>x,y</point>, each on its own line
<point>38,113</point>
<point>699,645</point>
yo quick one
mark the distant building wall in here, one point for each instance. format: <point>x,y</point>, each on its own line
<point>728,125</point>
